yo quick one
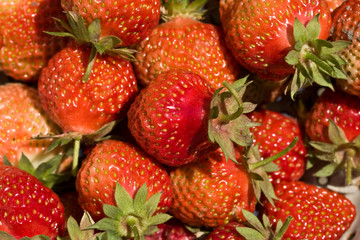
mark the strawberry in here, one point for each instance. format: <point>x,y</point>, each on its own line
<point>171,230</point>
<point>25,48</point>
<point>175,103</point>
<point>84,107</point>
<point>28,208</point>
<point>23,118</point>
<point>211,191</point>
<point>183,41</point>
<point>346,19</point>
<point>114,161</point>
<point>128,20</point>
<point>273,135</point>
<point>334,4</point>
<point>318,213</point>
<point>178,117</point>
<point>270,40</point>
<point>226,232</point>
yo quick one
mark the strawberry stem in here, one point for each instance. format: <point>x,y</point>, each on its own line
<point>225,118</point>
<point>270,159</point>
<point>349,155</point>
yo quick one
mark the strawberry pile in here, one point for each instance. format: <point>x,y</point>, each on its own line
<point>178,119</point>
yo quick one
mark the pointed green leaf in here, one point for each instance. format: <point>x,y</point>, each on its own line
<point>152,204</point>
<point>300,33</point>
<point>336,134</point>
<point>113,212</point>
<point>94,30</point>
<point>26,165</point>
<point>250,234</point>
<point>60,34</point>
<point>110,42</point>
<point>328,170</point>
<point>74,229</point>
<point>90,65</point>
<point>105,224</point>
<point>323,146</point>
<point>313,28</point>
<point>140,198</point>
<point>123,200</point>
<point>6,236</point>
<point>159,218</point>
<point>254,221</point>
<point>6,161</point>
<point>292,58</point>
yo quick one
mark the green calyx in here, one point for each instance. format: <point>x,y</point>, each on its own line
<point>228,123</point>
<point>130,218</point>
<point>339,154</point>
<point>6,236</point>
<point>258,169</point>
<point>257,230</point>
<point>91,35</point>
<point>184,8</point>
<point>315,60</point>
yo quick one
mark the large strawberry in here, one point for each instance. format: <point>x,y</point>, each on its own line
<point>268,38</point>
<point>318,213</point>
<point>276,131</point>
<point>345,26</point>
<point>332,125</point>
<point>171,117</point>
<point>22,118</point>
<point>28,208</point>
<point>25,49</point>
<point>211,191</point>
<point>113,161</point>
<point>183,41</point>
<point>128,20</point>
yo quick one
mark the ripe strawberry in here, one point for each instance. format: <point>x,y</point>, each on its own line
<point>226,232</point>
<point>211,191</point>
<point>28,208</point>
<point>169,118</point>
<point>172,230</point>
<point>332,125</point>
<point>23,118</point>
<point>25,49</point>
<point>128,20</point>
<point>268,38</point>
<point>114,161</point>
<point>318,213</point>
<point>334,4</point>
<point>84,107</point>
<point>345,27</point>
<point>275,133</point>
<point>183,41</point>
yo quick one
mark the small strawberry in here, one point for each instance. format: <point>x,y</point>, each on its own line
<point>270,39</point>
<point>28,208</point>
<point>318,213</point>
<point>22,118</point>
<point>211,191</point>
<point>25,49</point>
<point>183,41</point>
<point>346,19</point>
<point>128,20</point>
<point>332,124</point>
<point>273,135</point>
<point>177,118</point>
<point>114,161</point>
<point>173,229</point>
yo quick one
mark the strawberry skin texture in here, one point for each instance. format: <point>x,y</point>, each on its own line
<point>342,108</point>
<point>25,48</point>
<point>318,213</point>
<point>22,118</point>
<point>168,119</point>
<point>346,19</point>
<point>273,135</point>
<point>260,33</point>
<point>173,229</point>
<point>189,44</point>
<point>129,20</point>
<point>84,107</point>
<point>27,207</point>
<point>111,161</point>
<point>211,191</point>
<point>226,232</point>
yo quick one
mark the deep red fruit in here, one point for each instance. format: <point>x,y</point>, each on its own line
<point>27,207</point>
<point>169,117</point>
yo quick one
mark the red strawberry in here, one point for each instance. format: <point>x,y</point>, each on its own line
<point>114,161</point>
<point>25,49</point>
<point>84,107</point>
<point>169,118</point>
<point>346,19</point>
<point>274,134</point>
<point>318,213</point>
<point>268,37</point>
<point>172,230</point>
<point>211,191</point>
<point>183,41</point>
<point>128,20</point>
<point>28,208</point>
<point>22,118</point>
<point>226,232</point>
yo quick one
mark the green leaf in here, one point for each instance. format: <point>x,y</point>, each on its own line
<point>94,30</point>
<point>313,28</point>
<point>159,218</point>
<point>250,233</point>
<point>26,165</point>
<point>254,221</point>
<point>90,65</point>
<point>140,198</point>
<point>323,146</point>
<point>113,212</point>
<point>328,170</point>
<point>152,203</point>
<point>105,224</point>
<point>74,230</point>
<point>6,161</point>
<point>292,58</point>
<point>336,134</point>
<point>123,199</point>
<point>300,33</point>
